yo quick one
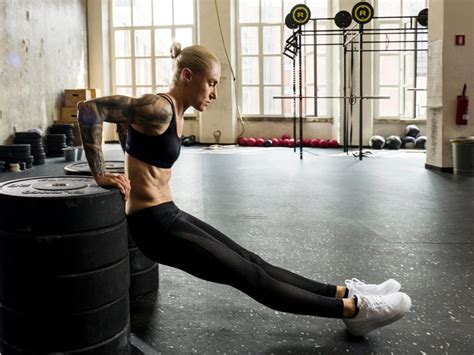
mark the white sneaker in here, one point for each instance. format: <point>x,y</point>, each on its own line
<point>359,288</point>
<point>377,311</point>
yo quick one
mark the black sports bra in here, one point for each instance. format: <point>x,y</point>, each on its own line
<point>161,150</point>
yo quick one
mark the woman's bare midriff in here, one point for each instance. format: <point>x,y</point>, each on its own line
<point>149,185</point>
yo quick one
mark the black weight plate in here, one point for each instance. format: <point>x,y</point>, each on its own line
<point>75,203</point>
<point>131,242</point>
<point>64,253</point>
<point>77,292</point>
<point>60,332</point>
<point>27,135</point>
<point>15,155</point>
<point>82,168</point>
<point>14,148</point>
<point>39,154</point>
<point>30,141</point>
<point>138,261</point>
<point>56,139</point>
<point>300,14</point>
<point>62,126</point>
<point>422,18</point>
<point>119,344</point>
<point>343,19</point>
<point>289,22</point>
<point>144,282</point>
<point>362,12</point>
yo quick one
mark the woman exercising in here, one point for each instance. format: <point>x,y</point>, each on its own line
<point>149,129</point>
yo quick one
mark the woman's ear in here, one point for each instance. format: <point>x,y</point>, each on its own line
<point>186,75</point>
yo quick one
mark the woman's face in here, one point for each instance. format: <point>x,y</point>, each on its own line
<point>203,87</point>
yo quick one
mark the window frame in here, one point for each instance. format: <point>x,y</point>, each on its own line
<point>284,33</point>
<point>153,56</point>
<point>403,83</point>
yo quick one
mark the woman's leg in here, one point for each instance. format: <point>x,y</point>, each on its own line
<point>207,254</point>
<point>278,273</point>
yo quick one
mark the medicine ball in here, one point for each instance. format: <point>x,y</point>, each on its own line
<point>323,143</point>
<point>242,141</point>
<point>285,136</point>
<point>420,142</point>
<point>307,142</point>
<point>333,143</point>
<point>393,142</point>
<point>268,143</point>
<point>408,142</point>
<point>251,141</point>
<point>290,142</point>
<point>275,142</point>
<point>377,142</point>
<point>260,142</point>
<point>314,142</point>
<point>412,130</point>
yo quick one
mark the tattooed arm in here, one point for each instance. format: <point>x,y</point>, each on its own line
<point>150,111</point>
<point>122,131</point>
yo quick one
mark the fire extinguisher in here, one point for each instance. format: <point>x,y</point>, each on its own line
<point>462,114</point>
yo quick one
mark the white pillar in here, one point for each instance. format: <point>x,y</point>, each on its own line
<point>221,115</point>
<point>449,67</point>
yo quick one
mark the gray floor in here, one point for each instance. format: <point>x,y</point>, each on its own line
<point>327,217</point>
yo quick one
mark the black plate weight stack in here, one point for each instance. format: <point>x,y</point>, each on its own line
<point>64,267</point>
<point>144,273</point>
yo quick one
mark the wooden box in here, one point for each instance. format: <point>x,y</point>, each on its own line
<point>73,97</point>
<point>69,113</point>
<point>95,93</point>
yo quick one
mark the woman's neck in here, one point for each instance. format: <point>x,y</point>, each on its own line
<point>176,93</point>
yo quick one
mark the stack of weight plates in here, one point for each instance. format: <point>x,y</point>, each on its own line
<point>67,129</point>
<point>64,268</point>
<point>16,153</point>
<point>55,144</point>
<point>2,166</point>
<point>144,273</point>
<point>35,140</point>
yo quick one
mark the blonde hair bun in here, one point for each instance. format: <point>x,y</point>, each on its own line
<point>175,50</point>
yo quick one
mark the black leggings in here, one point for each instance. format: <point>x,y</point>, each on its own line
<point>172,237</point>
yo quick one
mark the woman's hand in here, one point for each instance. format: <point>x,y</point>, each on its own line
<point>119,181</point>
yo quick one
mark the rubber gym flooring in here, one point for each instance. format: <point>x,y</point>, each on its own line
<point>327,217</point>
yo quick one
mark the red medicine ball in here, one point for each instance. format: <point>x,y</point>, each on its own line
<point>260,142</point>
<point>323,143</point>
<point>251,142</point>
<point>333,143</point>
<point>285,136</point>
<point>275,142</point>
<point>314,142</point>
<point>242,141</point>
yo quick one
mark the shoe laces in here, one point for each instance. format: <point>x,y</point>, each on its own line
<point>375,301</point>
<point>353,283</point>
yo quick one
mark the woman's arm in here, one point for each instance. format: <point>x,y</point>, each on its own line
<point>149,110</point>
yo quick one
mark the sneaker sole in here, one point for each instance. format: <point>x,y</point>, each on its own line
<point>376,325</point>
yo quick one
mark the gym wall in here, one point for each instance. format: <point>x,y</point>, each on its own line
<point>43,51</point>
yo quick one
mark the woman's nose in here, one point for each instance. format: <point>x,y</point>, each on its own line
<point>214,93</point>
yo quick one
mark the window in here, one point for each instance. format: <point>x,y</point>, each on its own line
<point>400,74</point>
<point>142,32</point>
<point>263,71</point>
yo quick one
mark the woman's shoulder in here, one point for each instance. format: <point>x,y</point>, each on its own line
<point>153,109</point>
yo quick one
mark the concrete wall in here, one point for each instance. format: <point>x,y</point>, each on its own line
<point>449,67</point>
<point>43,51</point>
